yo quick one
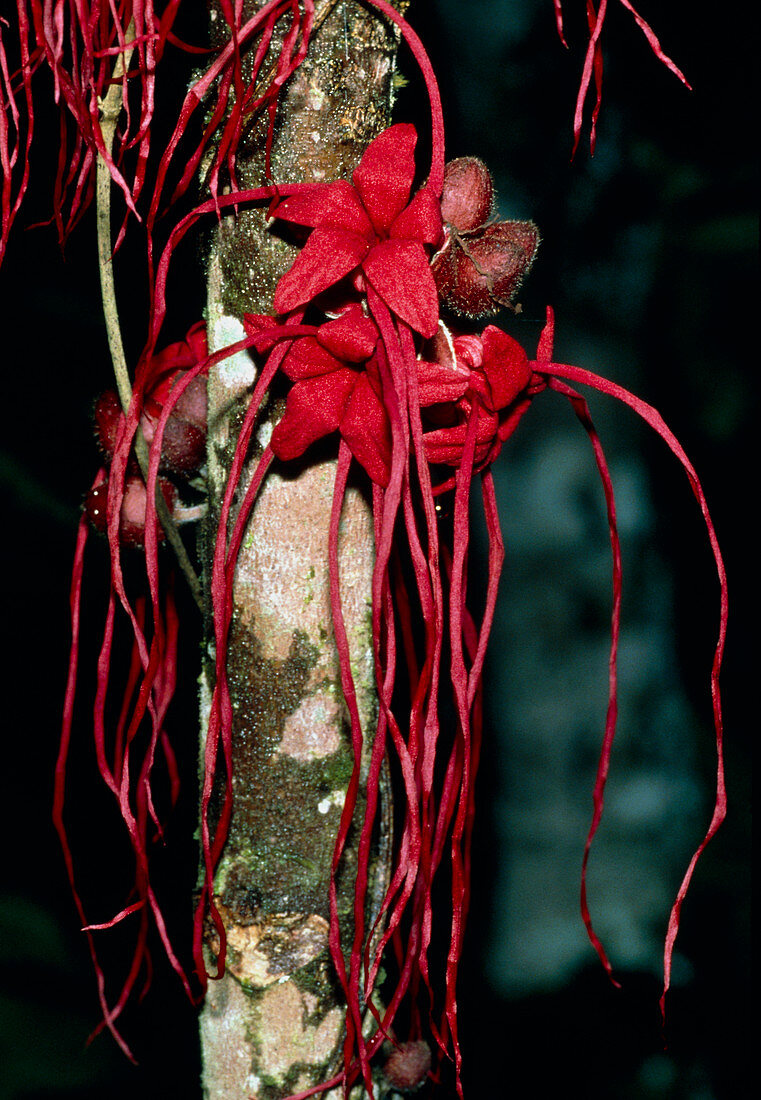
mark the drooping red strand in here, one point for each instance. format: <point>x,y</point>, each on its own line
<point>436,177</point>
<point>15,117</point>
<point>581,409</point>
<point>653,418</point>
<point>593,62</point>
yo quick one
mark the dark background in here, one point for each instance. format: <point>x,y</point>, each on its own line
<point>650,250</point>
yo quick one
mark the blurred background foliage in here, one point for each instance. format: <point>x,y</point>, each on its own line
<point>649,257</point>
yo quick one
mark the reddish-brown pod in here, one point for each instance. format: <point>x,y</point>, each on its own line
<point>478,274</point>
<point>468,193</point>
<point>192,405</point>
<point>183,448</point>
<point>132,520</point>
<point>408,1066</point>
<point>106,416</point>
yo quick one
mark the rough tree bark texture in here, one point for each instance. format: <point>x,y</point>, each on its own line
<point>273,1025</point>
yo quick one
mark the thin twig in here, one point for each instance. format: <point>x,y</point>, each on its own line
<point>111,106</point>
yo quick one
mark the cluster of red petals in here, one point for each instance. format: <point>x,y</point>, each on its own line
<point>370,229</point>
<point>336,387</point>
<point>491,372</point>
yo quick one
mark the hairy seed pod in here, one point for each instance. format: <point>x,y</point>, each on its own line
<point>106,416</point>
<point>408,1066</point>
<point>468,193</point>
<point>183,449</point>
<point>477,275</point>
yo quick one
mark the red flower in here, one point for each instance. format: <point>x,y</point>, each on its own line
<point>336,388</point>
<point>492,371</point>
<point>372,226</point>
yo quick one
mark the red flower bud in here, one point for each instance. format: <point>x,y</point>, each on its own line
<point>466,200</point>
<point>408,1066</point>
<point>132,520</point>
<point>183,449</point>
<point>478,274</point>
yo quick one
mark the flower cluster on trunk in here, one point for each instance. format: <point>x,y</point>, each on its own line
<point>374,326</point>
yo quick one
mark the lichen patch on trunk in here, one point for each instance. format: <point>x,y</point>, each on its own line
<point>304,732</point>
<point>260,954</point>
<point>288,1035</point>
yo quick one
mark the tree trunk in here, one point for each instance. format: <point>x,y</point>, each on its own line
<point>274,1024</point>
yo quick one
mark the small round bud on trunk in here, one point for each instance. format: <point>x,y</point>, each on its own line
<point>479,274</point>
<point>183,448</point>
<point>466,199</point>
<point>408,1066</point>
<point>132,519</point>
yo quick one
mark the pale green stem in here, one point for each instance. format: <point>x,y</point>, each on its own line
<point>111,106</point>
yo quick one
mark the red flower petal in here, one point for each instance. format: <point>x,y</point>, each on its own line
<point>446,445</point>
<point>314,408</point>
<point>505,366</point>
<point>255,323</point>
<point>400,273</point>
<point>163,367</point>
<point>439,383</point>
<point>351,337</point>
<point>196,341</point>
<point>328,255</point>
<point>307,358</point>
<point>335,205</point>
<point>384,176</point>
<point>367,432</point>
<point>421,220</point>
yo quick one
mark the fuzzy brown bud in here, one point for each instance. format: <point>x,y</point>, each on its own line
<point>477,275</point>
<point>468,193</point>
<point>408,1066</point>
<point>183,449</point>
<point>132,519</point>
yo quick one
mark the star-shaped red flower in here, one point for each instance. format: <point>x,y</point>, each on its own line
<point>336,387</point>
<point>371,227</point>
<point>492,371</point>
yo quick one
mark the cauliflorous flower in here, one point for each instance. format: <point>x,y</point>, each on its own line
<point>371,228</point>
<point>336,388</point>
<point>494,371</point>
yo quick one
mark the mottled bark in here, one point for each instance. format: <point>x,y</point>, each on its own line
<point>274,1024</point>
